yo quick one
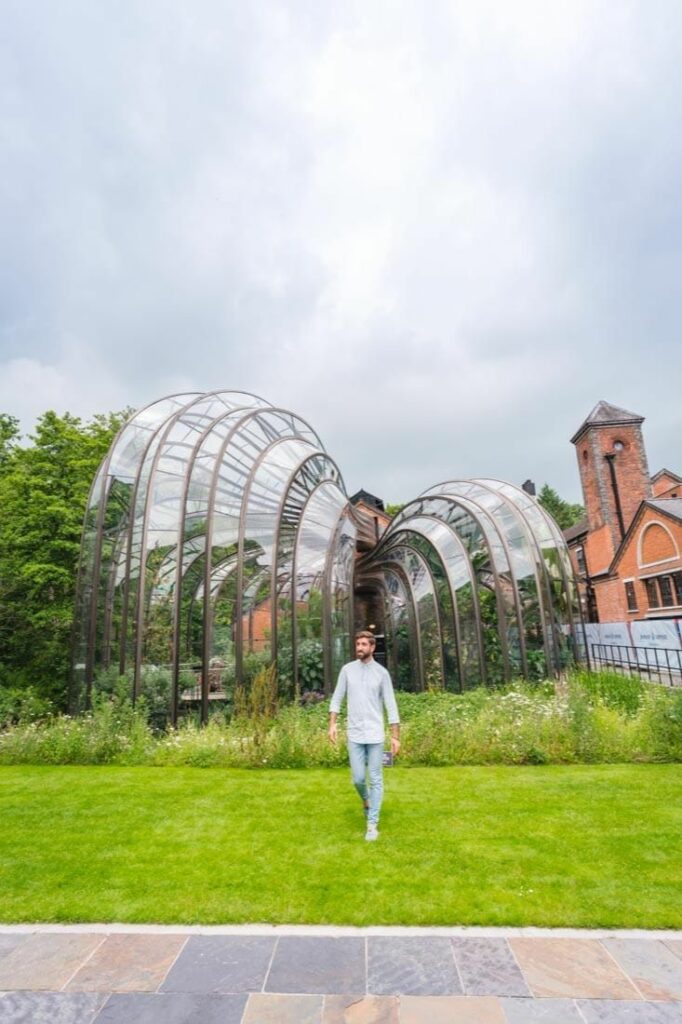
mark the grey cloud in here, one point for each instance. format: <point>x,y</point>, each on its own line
<point>439,232</point>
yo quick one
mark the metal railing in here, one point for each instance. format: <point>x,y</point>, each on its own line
<point>659,664</point>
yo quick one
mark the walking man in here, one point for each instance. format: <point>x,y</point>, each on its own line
<point>368,688</point>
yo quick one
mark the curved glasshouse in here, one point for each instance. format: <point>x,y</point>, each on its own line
<point>475,584</point>
<point>219,539</point>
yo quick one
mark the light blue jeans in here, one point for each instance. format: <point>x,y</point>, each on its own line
<point>367,758</point>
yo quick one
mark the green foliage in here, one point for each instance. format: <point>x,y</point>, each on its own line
<point>20,706</point>
<point>563,512</point>
<point>492,648</point>
<point>613,689</point>
<point>259,702</point>
<point>309,649</point>
<point>9,438</point>
<point>44,486</point>
<point>155,693</point>
<point>537,663</point>
<point>114,732</point>
<point>310,665</point>
<point>393,510</point>
<point>588,719</point>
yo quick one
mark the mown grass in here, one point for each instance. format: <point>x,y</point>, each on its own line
<point>553,846</point>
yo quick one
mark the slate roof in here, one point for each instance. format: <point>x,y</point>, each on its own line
<point>666,472</point>
<point>577,530</point>
<point>605,414</point>
<point>671,506</point>
<point>368,499</point>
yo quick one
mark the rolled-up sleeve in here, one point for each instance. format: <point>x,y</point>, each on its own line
<point>389,701</point>
<point>339,692</point>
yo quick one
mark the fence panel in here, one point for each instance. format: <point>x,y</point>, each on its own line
<point>659,664</point>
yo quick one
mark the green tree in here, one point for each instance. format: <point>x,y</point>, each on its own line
<point>44,486</point>
<point>392,510</point>
<point>563,512</point>
<point>9,438</point>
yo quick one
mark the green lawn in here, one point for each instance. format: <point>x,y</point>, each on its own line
<point>579,846</point>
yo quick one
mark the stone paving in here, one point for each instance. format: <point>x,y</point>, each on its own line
<point>112,975</point>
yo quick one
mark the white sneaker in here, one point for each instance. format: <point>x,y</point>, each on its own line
<point>372,832</point>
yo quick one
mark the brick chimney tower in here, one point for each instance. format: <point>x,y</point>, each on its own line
<point>614,474</point>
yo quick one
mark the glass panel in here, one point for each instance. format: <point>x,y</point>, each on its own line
<point>580,560</point>
<point>403,638</point>
<point>105,538</point>
<point>630,595</point>
<point>342,568</point>
<point>562,606</point>
<point>677,580</point>
<point>161,545</point>
<point>490,564</point>
<point>219,499</point>
<point>520,590</point>
<point>260,522</point>
<point>177,473</point>
<point>307,478</point>
<point>665,584</point>
<point>428,537</point>
<point>456,551</point>
<point>315,537</point>
<point>652,593</point>
<point>429,645</point>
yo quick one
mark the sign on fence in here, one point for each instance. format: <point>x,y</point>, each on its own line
<point>660,636</point>
<point>614,633</point>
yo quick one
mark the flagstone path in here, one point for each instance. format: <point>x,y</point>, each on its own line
<point>277,975</point>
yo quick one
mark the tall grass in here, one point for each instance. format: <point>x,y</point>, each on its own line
<point>588,718</point>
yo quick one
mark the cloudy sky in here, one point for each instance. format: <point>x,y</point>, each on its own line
<point>439,231</point>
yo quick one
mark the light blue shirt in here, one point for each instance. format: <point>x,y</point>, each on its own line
<point>368,688</point>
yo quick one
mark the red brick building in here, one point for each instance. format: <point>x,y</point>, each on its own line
<point>627,551</point>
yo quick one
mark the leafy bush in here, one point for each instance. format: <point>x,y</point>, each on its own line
<point>114,732</point>
<point>311,664</point>
<point>155,688</point>
<point>19,705</point>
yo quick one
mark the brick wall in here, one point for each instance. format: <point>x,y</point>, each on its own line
<point>674,490</point>
<point>257,625</point>
<point>611,600</point>
<point>599,550</point>
<point>631,470</point>
<point>624,444</point>
<point>657,546</point>
<point>657,541</point>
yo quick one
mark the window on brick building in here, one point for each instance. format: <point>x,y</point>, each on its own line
<point>580,559</point>
<point>677,583</point>
<point>631,596</point>
<point>666,587</point>
<point>652,593</point>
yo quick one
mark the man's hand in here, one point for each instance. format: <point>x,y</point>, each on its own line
<point>333,733</point>
<point>395,746</point>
